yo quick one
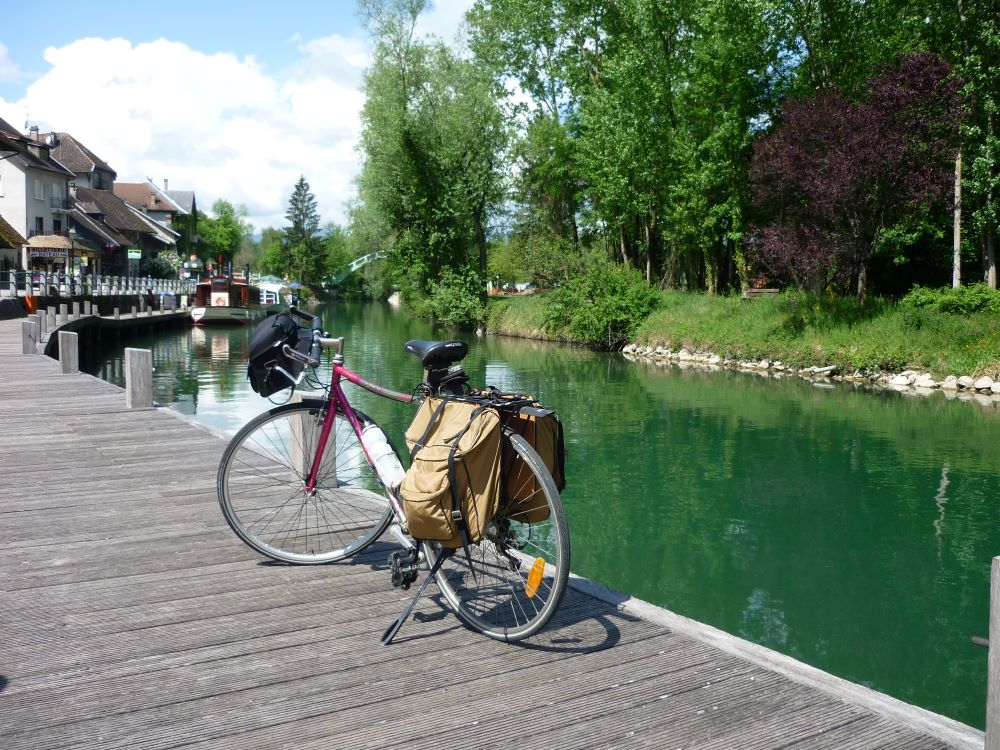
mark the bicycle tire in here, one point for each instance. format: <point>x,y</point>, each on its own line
<point>491,596</point>
<point>261,487</point>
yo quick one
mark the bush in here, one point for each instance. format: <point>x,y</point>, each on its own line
<point>604,306</point>
<point>158,267</point>
<point>963,300</point>
<point>457,298</point>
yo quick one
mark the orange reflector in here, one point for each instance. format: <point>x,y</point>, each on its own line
<point>534,577</point>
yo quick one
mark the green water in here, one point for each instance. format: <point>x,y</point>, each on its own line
<point>850,530</point>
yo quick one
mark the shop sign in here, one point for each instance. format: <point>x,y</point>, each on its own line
<point>47,252</point>
<point>134,254</point>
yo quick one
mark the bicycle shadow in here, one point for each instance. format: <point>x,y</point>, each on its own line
<point>583,624</point>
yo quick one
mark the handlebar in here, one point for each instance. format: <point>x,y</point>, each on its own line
<point>313,320</point>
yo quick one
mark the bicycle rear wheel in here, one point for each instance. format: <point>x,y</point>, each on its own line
<point>261,487</point>
<point>517,573</point>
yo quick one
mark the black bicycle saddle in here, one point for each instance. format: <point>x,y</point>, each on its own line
<point>436,355</point>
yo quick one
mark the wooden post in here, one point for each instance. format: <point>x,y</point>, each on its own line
<point>993,670</point>
<point>87,307</point>
<point>138,378</point>
<point>76,310</point>
<point>117,313</point>
<point>69,352</point>
<point>134,311</point>
<point>63,313</point>
<point>51,322</point>
<point>29,337</point>
<point>43,321</point>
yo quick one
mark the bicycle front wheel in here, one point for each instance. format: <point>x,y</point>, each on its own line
<point>262,487</point>
<point>513,579</point>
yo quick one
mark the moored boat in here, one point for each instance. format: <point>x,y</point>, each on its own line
<point>226,299</point>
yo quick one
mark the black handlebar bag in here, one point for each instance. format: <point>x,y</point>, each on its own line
<point>267,354</point>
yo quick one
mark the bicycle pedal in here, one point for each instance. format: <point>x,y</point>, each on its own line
<point>404,566</point>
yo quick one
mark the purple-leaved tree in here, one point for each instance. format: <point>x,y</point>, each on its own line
<point>835,174</point>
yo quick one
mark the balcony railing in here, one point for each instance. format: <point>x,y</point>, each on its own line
<point>41,283</point>
<point>59,204</point>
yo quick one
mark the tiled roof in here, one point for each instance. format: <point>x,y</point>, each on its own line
<point>9,236</point>
<point>73,154</point>
<point>9,130</point>
<point>95,227</point>
<point>116,212</point>
<point>141,195</point>
<point>183,198</point>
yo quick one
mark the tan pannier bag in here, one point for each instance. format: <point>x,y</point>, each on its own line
<point>542,430</point>
<point>453,483</point>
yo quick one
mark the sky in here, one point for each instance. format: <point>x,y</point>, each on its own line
<point>233,100</point>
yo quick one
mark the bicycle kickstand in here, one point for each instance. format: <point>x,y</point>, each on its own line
<point>391,631</point>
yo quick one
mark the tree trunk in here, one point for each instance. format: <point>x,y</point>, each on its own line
<point>480,241</point>
<point>862,283</point>
<point>624,246</point>
<point>956,264</point>
<point>649,255</point>
<point>990,276</point>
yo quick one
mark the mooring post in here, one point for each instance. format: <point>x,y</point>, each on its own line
<point>993,670</point>
<point>138,378</point>
<point>76,310</point>
<point>117,313</point>
<point>135,312</point>
<point>29,336</point>
<point>43,321</point>
<point>51,322</point>
<point>69,352</point>
<point>87,308</point>
<point>63,313</point>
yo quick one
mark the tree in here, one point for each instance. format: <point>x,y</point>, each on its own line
<point>837,174</point>
<point>303,246</point>
<point>224,233</point>
<point>432,136</point>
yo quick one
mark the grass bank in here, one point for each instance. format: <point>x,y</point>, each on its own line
<point>800,330</point>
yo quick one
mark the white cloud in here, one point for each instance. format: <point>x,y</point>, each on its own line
<point>444,19</point>
<point>8,68</point>
<point>215,124</point>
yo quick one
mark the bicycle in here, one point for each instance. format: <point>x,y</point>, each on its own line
<point>299,485</point>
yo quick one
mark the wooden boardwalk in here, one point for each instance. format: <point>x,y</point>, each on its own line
<point>131,617</point>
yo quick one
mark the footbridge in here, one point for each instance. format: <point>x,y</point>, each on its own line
<point>354,265</point>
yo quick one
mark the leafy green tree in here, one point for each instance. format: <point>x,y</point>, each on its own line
<point>225,232</point>
<point>303,245</point>
<point>271,256</point>
<point>432,135</point>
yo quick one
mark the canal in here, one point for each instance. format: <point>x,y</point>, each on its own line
<point>850,530</point>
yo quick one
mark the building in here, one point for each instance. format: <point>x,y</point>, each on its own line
<point>124,232</point>
<point>34,200</point>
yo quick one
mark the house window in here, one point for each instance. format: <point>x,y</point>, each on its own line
<point>39,190</point>
<point>57,226</point>
<point>39,225</point>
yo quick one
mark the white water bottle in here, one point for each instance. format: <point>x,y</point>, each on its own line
<point>387,465</point>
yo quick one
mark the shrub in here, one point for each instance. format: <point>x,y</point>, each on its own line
<point>457,298</point>
<point>604,306</point>
<point>963,300</point>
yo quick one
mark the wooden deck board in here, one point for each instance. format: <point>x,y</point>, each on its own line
<point>133,618</point>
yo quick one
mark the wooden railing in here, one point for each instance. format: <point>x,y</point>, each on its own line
<point>43,284</point>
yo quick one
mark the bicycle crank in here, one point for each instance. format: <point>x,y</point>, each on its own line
<point>404,565</point>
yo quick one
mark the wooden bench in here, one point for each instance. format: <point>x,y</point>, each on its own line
<point>751,293</point>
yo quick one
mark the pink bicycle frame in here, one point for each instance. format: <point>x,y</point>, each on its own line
<point>337,402</point>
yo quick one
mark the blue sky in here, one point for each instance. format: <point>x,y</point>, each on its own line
<point>234,100</point>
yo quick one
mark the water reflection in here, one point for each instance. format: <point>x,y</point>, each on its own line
<point>851,530</point>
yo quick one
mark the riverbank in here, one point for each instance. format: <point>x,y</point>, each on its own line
<point>882,344</point>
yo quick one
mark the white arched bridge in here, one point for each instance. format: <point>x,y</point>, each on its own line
<point>354,265</point>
